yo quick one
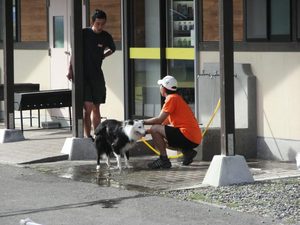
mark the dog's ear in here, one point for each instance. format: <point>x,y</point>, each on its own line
<point>140,121</point>
<point>128,122</point>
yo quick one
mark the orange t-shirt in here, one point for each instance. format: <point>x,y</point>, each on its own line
<point>182,117</point>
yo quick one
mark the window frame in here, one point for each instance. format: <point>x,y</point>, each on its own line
<point>296,18</point>
<point>18,44</point>
<point>15,18</point>
<point>269,36</point>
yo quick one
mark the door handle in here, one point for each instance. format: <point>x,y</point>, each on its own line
<point>67,53</point>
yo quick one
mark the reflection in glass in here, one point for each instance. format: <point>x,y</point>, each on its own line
<point>58,29</point>
<point>145,25</point>
<point>280,17</point>
<point>180,23</point>
<point>1,22</point>
<point>298,21</point>
<point>146,91</point>
<point>257,19</point>
<point>14,20</point>
<point>183,71</point>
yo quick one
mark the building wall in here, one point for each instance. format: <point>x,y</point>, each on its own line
<point>113,72</point>
<point>33,66</point>
<point>211,20</point>
<point>30,66</point>
<point>113,11</point>
<point>277,72</point>
<point>278,89</point>
<point>34,20</point>
<point>277,92</point>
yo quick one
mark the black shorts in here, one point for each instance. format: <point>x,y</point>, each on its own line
<point>94,91</point>
<point>177,140</point>
<point>93,94</point>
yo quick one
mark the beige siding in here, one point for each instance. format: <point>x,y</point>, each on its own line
<point>277,91</point>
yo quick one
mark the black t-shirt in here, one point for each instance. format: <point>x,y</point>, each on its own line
<point>94,45</point>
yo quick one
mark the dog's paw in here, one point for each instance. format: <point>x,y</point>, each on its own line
<point>118,168</point>
<point>98,167</point>
<point>128,166</point>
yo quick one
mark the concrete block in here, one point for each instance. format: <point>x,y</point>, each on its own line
<point>227,170</point>
<point>11,135</point>
<point>79,149</point>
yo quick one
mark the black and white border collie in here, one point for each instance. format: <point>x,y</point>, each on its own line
<point>113,136</point>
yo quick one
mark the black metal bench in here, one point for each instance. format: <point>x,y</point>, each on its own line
<point>20,87</point>
<point>47,99</point>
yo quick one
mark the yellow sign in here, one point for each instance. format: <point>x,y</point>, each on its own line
<point>154,53</point>
<point>144,53</point>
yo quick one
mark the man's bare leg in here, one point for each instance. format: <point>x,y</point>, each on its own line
<point>96,116</point>
<point>158,135</point>
<point>88,106</point>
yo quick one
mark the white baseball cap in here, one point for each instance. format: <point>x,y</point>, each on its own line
<point>168,82</point>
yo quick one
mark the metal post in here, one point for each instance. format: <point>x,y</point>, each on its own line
<point>227,77</point>
<point>163,41</point>
<point>77,59</point>
<point>197,32</point>
<point>127,63</point>
<point>8,55</point>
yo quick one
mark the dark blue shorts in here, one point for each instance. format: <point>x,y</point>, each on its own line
<point>177,140</point>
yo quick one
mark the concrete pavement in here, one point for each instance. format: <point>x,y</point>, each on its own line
<point>50,200</point>
<point>44,145</point>
<point>107,197</point>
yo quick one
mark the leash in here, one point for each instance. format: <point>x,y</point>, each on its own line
<point>203,134</point>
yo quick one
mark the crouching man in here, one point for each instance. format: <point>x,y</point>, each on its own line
<point>175,126</point>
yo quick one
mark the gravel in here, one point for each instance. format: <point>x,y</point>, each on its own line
<point>279,199</point>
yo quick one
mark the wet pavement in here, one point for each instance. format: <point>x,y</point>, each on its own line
<point>140,178</point>
<point>41,151</point>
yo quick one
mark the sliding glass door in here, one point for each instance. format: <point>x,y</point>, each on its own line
<point>180,46</point>
<point>160,37</point>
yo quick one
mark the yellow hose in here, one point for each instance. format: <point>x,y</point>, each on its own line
<point>204,132</point>
<point>212,117</point>
<point>157,152</point>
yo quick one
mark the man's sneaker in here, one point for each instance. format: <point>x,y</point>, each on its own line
<point>91,137</point>
<point>161,163</point>
<point>188,156</point>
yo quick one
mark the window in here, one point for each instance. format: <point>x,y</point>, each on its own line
<point>268,20</point>
<point>280,13</point>
<point>298,19</point>
<point>29,21</point>
<point>2,22</point>
<point>256,19</point>
<point>58,29</point>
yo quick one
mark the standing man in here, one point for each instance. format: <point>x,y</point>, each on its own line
<point>175,126</point>
<point>97,45</point>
